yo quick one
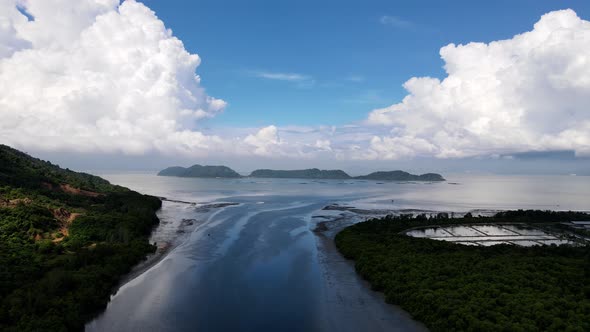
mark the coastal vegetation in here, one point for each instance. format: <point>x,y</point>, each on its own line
<point>454,287</point>
<point>66,239</point>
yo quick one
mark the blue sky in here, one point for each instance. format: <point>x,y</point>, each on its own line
<point>345,58</point>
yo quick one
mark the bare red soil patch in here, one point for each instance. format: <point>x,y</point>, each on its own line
<point>75,191</point>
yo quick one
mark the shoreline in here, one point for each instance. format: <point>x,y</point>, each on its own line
<point>184,227</point>
<point>348,302</point>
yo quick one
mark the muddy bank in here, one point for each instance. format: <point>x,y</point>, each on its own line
<point>347,301</point>
<point>178,219</point>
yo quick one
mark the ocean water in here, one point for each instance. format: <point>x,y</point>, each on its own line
<point>258,266</point>
<point>458,193</point>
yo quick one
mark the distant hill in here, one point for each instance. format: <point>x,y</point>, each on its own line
<point>67,238</point>
<point>315,173</point>
<point>401,176</point>
<point>312,173</point>
<point>198,171</point>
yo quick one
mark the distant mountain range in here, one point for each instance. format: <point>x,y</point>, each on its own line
<point>198,171</point>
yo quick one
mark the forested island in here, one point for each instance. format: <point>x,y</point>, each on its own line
<point>401,176</point>
<point>199,171</point>
<point>66,239</point>
<point>454,287</point>
<point>312,173</point>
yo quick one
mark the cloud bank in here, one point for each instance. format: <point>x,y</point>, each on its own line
<point>104,76</point>
<point>530,92</point>
<point>94,75</point>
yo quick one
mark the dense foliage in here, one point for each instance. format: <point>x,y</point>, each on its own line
<point>452,287</point>
<point>66,239</point>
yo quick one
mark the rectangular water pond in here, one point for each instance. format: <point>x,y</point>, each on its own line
<point>489,235</point>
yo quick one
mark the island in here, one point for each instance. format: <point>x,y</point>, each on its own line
<point>66,240</point>
<point>401,176</point>
<point>312,173</point>
<point>198,171</point>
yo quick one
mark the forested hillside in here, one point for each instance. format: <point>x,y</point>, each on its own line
<point>66,238</point>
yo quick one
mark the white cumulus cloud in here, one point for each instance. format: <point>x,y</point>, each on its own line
<point>96,75</point>
<point>265,142</point>
<point>530,92</point>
